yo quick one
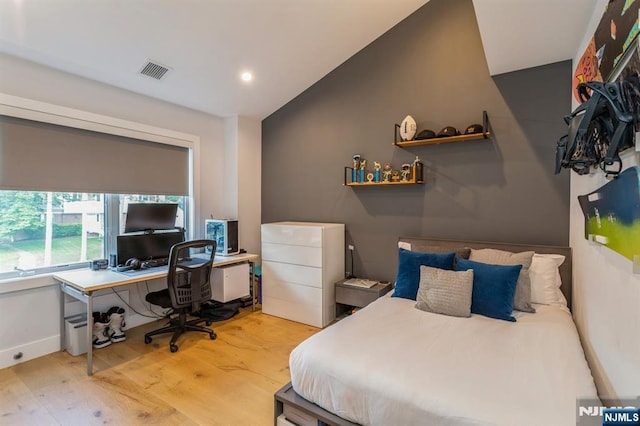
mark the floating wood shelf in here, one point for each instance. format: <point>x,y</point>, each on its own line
<point>348,170</point>
<point>409,182</point>
<point>435,141</point>
<point>486,134</point>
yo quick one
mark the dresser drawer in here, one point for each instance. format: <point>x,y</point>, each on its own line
<point>296,274</point>
<point>296,293</point>
<point>354,296</point>
<point>297,255</point>
<point>311,315</point>
<point>298,235</point>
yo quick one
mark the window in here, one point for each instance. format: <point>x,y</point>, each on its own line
<point>41,232</point>
<point>67,208</point>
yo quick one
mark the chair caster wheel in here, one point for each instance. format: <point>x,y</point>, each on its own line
<point>212,336</point>
<point>147,339</point>
<point>173,348</point>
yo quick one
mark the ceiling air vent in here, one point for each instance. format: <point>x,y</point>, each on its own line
<point>154,70</point>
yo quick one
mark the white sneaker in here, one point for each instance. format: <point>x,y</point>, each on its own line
<point>100,335</point>
<point>116,324</point>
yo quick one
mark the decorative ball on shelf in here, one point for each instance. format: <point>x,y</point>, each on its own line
<point>448,131</point>
<point>473,129</point>
<point>426,134</point>
<point>408,128</point>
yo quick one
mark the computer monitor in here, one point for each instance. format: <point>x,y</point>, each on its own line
<point>147,246</point>
<point>150,216</point>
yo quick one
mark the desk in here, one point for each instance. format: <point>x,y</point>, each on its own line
<point>83,283</point>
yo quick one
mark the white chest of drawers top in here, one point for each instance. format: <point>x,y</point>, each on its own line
<point>300,263</point>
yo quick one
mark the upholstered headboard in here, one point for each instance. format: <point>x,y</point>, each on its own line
<point>435,245</point>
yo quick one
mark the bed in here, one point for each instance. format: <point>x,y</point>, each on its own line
<point>393,364</point>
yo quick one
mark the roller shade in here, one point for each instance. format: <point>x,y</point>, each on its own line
<point>37,156</point>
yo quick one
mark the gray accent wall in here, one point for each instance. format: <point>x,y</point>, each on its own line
<point>431,66</point>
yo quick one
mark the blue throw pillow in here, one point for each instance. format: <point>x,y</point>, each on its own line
<point>494,287</point>
<point>408,279</point>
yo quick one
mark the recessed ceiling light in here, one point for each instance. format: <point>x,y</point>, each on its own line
<point>246,76</point>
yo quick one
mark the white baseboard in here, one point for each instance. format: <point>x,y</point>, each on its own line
<point>50,345</point>
<point>29,351</point>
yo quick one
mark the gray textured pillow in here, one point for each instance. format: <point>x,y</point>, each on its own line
<point>445,292</point>
<point>522,299</point>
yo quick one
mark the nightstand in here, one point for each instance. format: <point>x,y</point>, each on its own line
<point>352,296</point>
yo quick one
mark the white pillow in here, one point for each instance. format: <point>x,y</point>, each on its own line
<point>545,279</point>
<point>404,245</point>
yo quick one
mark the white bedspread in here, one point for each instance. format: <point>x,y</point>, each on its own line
<point>392,364</point>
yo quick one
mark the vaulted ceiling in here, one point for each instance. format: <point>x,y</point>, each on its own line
<point>287,45</point>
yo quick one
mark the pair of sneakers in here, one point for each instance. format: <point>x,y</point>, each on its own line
<point>108,327</point>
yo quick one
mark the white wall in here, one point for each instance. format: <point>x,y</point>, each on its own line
<point>30,323</point>
<point>606,291</point>
<point>249,183</point>
<point>30,318</point>
<point>230,169</point>
<point>243,169</point>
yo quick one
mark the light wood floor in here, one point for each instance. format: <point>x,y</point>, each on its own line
<point>227,381</point>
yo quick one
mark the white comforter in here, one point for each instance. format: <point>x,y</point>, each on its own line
<point>392,364</point>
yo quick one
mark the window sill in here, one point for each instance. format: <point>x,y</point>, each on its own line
<point>11,285</point>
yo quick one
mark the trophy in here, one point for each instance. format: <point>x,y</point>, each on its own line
<point>386,172</point>
<point>376,171</point>
<point>405,171</point>
<point>356,166</point>
<point>418,170</point>
<point>363,169</point>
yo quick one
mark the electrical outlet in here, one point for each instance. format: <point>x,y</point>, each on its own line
<point>351,247</point>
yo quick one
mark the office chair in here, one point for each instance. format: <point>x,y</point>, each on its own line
<point>188,285</point>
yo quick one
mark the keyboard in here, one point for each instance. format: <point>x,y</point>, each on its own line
<point>154,263</point>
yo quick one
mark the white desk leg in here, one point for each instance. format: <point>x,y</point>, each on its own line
<point>88,299</point>
<point>252,277</point>
<point>90,334</point>
<point>62,324</point>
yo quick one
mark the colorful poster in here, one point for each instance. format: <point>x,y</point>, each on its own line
<point>612,214</point>
<point>587,69</point>
<point>614,35</point>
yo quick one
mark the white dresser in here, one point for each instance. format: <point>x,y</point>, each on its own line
<point>301,262</point>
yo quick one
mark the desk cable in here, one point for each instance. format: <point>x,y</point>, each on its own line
<point>155,314</point>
